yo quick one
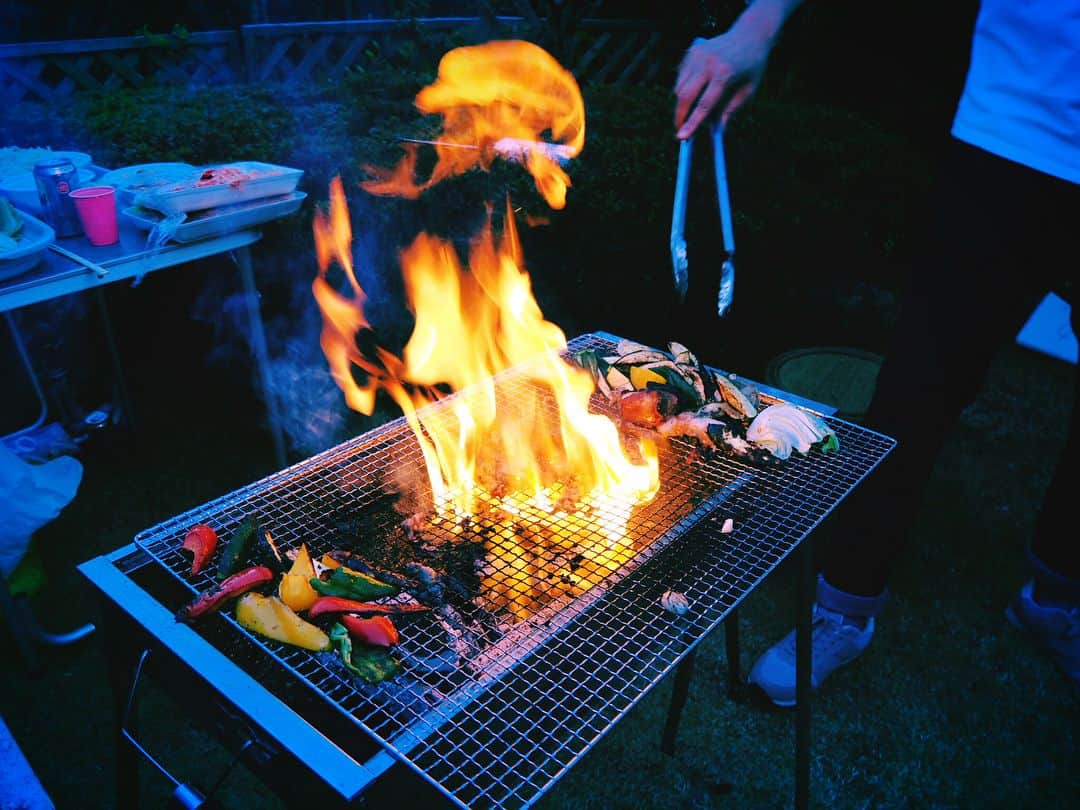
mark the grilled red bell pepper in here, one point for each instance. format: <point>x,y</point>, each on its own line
<point>201,540</point>
<point>229,588</point>
<point>339,604</point>
<point>378,631</point>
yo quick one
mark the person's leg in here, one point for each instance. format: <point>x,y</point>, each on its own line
<point>982,271</point>
<point>1052,548</point>
<point>969,296</point>
<point>1048,605</point>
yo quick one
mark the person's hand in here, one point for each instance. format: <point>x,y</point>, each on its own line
<point>717,76</point>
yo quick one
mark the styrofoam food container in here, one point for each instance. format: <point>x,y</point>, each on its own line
<point>218,221</point>
<point>35,239</point>
<point>220,185</point>
<point>145,177</point>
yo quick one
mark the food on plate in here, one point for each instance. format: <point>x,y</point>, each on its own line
<point>674,602</point>
<point>378,631</point>
<point>783,427</point>
<point>672,394</point>
<point>371,664</point>
<point>270,617</point>
<point>16,160</point>
<point>328,605</point>
<point>239,547</point>
<point>295,588</point>
<point>231,587</point>
<point>344,582</point>
<point>201,541</point>
<point>11,226</point>
<point>222,175</point>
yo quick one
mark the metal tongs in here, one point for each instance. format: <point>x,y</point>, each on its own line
<point>679,261</point>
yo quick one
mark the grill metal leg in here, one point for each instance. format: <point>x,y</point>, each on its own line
<point>242,257</point>
<point>119,383</point>
<point>731,650</point>
<point>803,664</point>
<point>121,658</point>
<point>684,673</point>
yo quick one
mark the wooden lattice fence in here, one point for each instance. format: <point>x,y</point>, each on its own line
<point>598,50</point>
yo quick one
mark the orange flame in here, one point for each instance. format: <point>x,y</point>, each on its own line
<point>471,324</point>
<point>502,98</point>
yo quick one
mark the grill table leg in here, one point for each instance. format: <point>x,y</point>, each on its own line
<point>803,664</point>
<point>684,673</point>
<point>120,658</point>
<point>731,649</point>
<point>242,257</point>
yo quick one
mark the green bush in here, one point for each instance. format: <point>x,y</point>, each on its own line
<point>202,125</point>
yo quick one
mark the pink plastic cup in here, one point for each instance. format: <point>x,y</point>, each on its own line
<point>97,213</point>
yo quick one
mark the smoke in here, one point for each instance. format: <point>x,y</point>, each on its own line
<point>311,408</point>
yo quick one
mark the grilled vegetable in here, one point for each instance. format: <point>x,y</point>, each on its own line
<point>378,631</point>
<point>201,540</point>
<point>730,393</point>
<point>239,547</point>
<point>350,584</point>
<point>647,408</point>
<point>267,552</point>
<point>295,589</point>
<point>783,428</point>
<point>335,604</point>
<point>239,583</point>
<point>641,377</point>
<point>269,616</point>
<point>371,664</point>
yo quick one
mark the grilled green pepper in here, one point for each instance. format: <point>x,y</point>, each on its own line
<point>238,548</point>
<point>372,664</point>
<point>353,585</point>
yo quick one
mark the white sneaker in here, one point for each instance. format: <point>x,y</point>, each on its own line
<point>833,644</point>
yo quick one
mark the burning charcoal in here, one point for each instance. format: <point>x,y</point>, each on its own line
<point>429,589</point>
<point>414,525</point>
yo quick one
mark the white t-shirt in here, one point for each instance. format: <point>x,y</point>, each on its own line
<point>1021,99</point>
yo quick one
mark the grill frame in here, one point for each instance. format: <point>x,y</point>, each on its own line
<point>532,700</point>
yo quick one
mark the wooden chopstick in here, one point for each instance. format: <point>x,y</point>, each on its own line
<point>100,271</point>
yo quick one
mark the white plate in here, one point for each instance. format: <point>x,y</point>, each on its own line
<point>24,159</point>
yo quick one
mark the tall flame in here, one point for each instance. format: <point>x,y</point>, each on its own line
<point>470,325</point>
<point>500,93</point>
<point>536,456</point>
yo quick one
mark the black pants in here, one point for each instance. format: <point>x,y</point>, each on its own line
<point>1001,238</point>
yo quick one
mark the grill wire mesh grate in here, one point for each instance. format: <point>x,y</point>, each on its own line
<point>503,693</point>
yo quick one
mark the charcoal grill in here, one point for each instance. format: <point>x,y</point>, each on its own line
<point>567,635</point>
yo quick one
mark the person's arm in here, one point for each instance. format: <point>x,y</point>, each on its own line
<point>722,73</point>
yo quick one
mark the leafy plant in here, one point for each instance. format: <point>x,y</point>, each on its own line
<point>175,40</point>
<point>204,125</point>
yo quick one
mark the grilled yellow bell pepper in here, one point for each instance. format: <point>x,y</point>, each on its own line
<point>269,616</point>
<point>295,589</point>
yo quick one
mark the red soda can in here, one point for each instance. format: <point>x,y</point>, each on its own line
<point>55,179</point>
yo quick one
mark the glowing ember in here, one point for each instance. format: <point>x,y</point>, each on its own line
<point>491,95</point>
